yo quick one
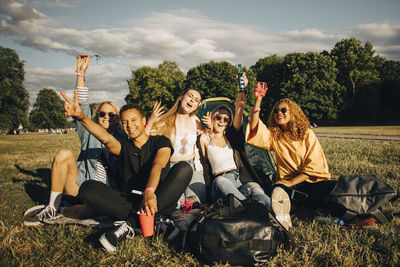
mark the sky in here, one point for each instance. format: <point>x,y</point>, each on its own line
<point>128,34</point>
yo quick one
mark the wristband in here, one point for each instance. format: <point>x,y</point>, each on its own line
<point>149,124</point>
<point>80,74</point>
<point>256,109</point>
<point>149,189</point>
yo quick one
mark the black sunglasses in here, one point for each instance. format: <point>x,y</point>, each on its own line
<point>283,110</point>
<point>102,114</point>
<point>219,117</point>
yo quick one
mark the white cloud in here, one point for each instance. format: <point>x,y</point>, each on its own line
<point>184,36</point>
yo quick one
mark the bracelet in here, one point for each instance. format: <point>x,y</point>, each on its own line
<point>256,109</point>
<point>149,124</point>
<point>80,74</point>
<point>149,189</point>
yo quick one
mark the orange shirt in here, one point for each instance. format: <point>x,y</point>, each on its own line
<point>293,157</point>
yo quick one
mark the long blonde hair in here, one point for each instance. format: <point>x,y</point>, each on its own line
<point>166,124</point>
<point>298,123</point>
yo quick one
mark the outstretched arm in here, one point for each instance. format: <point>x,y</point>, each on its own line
<point>160,161</point>
<point>73,109</point>
<point>259,91</point>
<point>239,106</point>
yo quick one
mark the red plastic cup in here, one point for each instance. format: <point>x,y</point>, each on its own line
<point>187,204</point>
<point>146,223</point>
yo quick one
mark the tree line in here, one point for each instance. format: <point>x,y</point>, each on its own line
<point>349,84</point>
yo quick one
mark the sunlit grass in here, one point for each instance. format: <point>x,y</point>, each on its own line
<point>25,163</point>
<point>365,130</point>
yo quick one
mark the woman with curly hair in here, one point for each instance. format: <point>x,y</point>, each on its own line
<point>300,160</point>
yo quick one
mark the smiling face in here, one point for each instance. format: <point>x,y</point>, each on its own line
<point>282,115</point>
<point>220,120</point>
<point>133,123</point>
<point>107,116</point>
<point>190,102</point>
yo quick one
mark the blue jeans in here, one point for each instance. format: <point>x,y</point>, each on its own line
<point>229,183</point>
<point>196,188</point>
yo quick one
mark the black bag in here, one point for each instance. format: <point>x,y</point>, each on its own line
<point>237,235</point>
<point>360,195</point>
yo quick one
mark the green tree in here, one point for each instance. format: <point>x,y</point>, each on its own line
<point>14,99</point>
<point>149,84</point>
<point>48,111</point>
<point>357,72</point>
<point>217,79</point>
<point>310,80</point>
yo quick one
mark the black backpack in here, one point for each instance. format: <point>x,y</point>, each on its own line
<point>360,195</point>
<point>241,235</point>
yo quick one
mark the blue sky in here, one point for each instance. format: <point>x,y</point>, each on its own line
<point>129,34</point>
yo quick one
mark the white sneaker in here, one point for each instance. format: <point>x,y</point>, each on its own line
<point>281,206</point>
<point>33,211</point>
<point>36,219</point>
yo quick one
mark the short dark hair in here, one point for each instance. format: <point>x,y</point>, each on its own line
<point>131,106</point>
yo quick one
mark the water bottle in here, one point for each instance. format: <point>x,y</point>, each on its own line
<point>330,220</point>
<point>240,78</point>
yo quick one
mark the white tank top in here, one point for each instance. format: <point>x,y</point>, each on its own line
<point>221,158</point>
<point>184,145</point>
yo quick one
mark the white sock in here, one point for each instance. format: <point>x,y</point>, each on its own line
<point>55,199</point>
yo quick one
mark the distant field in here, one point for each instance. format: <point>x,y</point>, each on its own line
<point>25,162</point>
<point>363,130</point>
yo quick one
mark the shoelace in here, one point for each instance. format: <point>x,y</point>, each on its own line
<point>47,213</point>
<point>123,228</point>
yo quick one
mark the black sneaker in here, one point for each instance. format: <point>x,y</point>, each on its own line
<point>111,239</point>
<point>166,227</point>
<point>45,214</point>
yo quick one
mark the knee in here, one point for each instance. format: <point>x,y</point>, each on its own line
<point>64,155</point>
<point>254,188</point>
<point>184,171</point>
<point>219,181</point>
<point>87,190</point>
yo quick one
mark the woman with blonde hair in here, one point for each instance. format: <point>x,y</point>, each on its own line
<point>181,125</point>
<point>300,160</point>
<point>93,163</point>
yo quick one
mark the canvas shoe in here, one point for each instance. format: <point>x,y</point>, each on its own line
<point>166,227</point>
<point>34,210</point>
<point>281,207</point>
<point>111,239</point>
<point>45,214</point>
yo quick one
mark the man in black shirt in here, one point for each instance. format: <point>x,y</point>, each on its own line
<point>144,181</point>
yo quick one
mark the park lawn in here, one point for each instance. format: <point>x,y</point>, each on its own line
<point>363,130</point>
<point>25,163</point>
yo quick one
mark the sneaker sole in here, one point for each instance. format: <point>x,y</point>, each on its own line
<point>106,245</point>
<point>281,206</point>
<point>35,208</point>
<point>27,223</point>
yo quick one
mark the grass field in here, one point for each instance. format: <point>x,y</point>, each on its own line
<point>25,163</point>
<point>363,130</point>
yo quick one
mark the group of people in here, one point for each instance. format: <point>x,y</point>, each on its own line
<point>128,163</point>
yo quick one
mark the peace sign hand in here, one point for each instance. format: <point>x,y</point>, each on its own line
<point>72,109</point>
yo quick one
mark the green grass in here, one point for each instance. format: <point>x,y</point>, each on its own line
<point>25,163</point>
<point>364,130</point>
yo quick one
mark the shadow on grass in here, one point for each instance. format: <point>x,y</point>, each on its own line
<point>36,192</point>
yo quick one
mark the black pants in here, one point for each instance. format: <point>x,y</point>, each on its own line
<point>121,206</point>
<point>316,192</point>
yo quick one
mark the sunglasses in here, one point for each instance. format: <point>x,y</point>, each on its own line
<point>102,114</point>
<point>283,110</point>
<point>219,117</point>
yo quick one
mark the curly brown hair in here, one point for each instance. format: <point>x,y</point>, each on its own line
<point>298,123</point>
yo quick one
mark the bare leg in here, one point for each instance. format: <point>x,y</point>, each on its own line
<point>64,173</point>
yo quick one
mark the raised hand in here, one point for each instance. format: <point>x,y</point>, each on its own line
<point>158,110</point>
<point>82,63</point>
<point>207,120</point>
<point>72,109</point>
<point>261,89</point>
